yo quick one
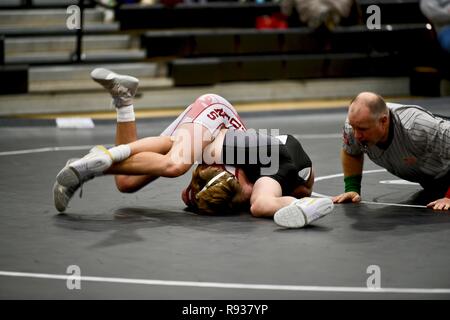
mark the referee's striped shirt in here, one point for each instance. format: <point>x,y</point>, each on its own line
<point>420,146</point>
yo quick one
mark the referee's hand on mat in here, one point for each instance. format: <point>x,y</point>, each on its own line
<point>351,196</point>
<point>440,204</point>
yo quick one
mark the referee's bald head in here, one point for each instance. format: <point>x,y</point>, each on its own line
<point>369,102</point>
<point>368,115</point>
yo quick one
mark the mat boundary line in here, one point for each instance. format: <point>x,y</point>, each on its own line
<point>222,285</point>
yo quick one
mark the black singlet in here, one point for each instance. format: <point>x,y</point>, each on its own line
<point>281,158</point>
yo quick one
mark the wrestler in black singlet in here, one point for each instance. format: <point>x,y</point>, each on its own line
<point>255,153</point>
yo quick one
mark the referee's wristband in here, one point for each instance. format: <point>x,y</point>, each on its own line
<point>353,183</point>
<point>447,195</point>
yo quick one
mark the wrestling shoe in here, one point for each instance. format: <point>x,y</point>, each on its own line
<point>77,172</point>
<point>303,212</point>
<point>121,87</point>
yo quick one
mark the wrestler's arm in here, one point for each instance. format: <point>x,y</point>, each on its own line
<point>352,166</point>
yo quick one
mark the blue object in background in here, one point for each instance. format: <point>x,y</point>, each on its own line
<point>444,38</point>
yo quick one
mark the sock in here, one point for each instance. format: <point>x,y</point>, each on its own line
<point>120,153</point>
<point>125,114</point>
<point>91,165</point>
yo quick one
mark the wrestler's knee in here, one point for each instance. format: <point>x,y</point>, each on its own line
<point>125,184</point>
<point>175,169</point>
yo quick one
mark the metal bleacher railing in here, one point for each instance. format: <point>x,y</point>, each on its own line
<point>77,56</point>
<point>2,50</point>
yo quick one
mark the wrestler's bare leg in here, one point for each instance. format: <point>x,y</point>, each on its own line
<point>189,141</point>
<point>126,132</point>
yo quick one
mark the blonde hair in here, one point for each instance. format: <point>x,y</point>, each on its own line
<point>221,196</point>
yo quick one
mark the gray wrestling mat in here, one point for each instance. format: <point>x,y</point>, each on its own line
<point>145,246</point>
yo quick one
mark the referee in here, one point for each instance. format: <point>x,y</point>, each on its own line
<point>408,141</point>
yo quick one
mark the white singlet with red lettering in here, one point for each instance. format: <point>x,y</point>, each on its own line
<point>211,111</point>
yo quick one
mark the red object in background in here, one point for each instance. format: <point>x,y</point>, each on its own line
<point>275,21</point>
<point>279,21</point>
<point>263,22</point>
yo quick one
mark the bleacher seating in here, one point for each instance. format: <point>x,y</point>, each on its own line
<point>395,11</point>
<point>208,71</point>
<point>2,50</point>
<point>35,33</point>
<point>13,79</point>
<point>38,35</point>
<point>250,54</point>
<point>39,4</point>
<point>207,43</point>
<point>398,38</point>
<point>198,15</point>
<point>245,53</point>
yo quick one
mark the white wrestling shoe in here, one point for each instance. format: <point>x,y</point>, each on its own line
<point>121,87</point>
<point>303,212</point>
<point>77,172</point>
